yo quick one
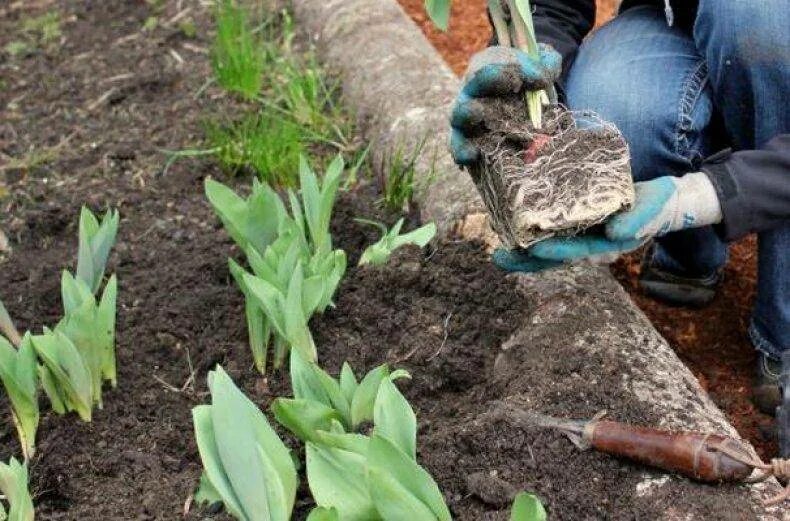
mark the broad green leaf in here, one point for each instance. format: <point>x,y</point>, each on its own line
<point>380,252</point>
<point>348,382</point>
<point>312,294</point>
<point>399,487</point>
<point>51,389</point>
<point>73,292</point>
<point>14,485</point>
<point>68,371</point>
<point>213,469</point>
<point>95,243</point>
<point>350,441</point>
<point>323,514</point>
<point>419,237</point>
<point>305,382</point>
<point>296,330</point>
<point>311,382</point>
<point>311,200</point>
<point>82,328</point>
<point>304,417</point>
<point>527,507</point>
<point>18,374</point>
<point>251,222</point>
<point>269,299</point>
<point>439,12</point>
<point>88,228</point>
<point>394,419</point>
<point>365,396</point>
<point>106,324</point>
<point>337,478</point>
<point>258,465</point>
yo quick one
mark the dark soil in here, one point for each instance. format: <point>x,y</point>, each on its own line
<point>711,341</point>
<point>441,313</point>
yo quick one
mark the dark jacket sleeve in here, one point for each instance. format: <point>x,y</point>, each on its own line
<point>562,24</point>
<point>753,188</point>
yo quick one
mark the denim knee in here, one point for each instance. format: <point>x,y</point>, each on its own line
<point>648,79</point>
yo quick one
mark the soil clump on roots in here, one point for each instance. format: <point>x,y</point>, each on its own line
<point>558,180</point>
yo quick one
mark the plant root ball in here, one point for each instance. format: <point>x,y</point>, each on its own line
<point>559,180</point>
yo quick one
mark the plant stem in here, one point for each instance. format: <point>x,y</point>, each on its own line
<point>498,20</point>
<point>524,36</point>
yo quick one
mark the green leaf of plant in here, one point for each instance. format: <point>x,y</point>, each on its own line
<point>380,252</point>
<point>68,371</point>
<point>305,382</point>
<point>401,489</point>
<point>13,484</point>
<point>73,292</point>
<point>88,228</point>
<point>105,318</point>
<point>323,514</point>
<point>337,479</point>
<point>348,382</point>
<point>269,299</point>
<point>7,326</point>
<point>296,330</point>
<point>258,465</point>
<point>365,396</point>
<point>350,441</point>
<point>439,12</point>
<point>394,419</point>
<point>304,417</point>
<point>527,507</point>
<point>18,374</point>
<point>213,468</point>
<point>419,237</point>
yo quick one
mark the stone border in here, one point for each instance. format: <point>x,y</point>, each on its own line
<point>402,91</point>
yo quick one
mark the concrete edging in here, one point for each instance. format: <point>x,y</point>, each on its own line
<point>402,91</point>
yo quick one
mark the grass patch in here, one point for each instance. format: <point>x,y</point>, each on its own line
<point>237,55</point>
<point>268,145</point>
<point>397,172</point>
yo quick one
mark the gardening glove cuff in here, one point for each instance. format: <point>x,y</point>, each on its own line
<point>667,204</point>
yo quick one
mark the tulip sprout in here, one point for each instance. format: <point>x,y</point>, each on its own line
<point>13,484</point>
<point>380,252</point>
<point>519,33</point>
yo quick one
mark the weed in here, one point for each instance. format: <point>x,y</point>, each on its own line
<point>266,144</point>
<point>17,48</point>
<point>237,55</point>
<point>397,174</point>
<point>46,28</point>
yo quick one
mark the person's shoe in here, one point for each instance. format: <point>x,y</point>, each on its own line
<point>679,290</point>
<point>766,394</point>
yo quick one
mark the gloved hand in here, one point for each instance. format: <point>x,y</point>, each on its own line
<point>663,205</point>
<point>494,72</point>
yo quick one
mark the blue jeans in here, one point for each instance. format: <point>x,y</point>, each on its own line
<point>680,94</point>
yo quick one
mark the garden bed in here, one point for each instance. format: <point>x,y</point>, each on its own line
<point>442,313</point>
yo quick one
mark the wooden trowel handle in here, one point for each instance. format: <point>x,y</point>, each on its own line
<point>690,454</point>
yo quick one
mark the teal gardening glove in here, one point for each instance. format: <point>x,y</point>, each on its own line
<point>495,72</point>
<point>663,205</point>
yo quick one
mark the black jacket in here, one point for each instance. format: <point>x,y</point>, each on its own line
<point>753,185</point>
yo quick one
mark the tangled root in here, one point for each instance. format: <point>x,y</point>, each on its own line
<point>578,177</point>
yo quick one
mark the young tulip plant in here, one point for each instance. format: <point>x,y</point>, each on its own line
<point>519,32</point>
<point>13,484</point>
<point>78,354</point>
<point>380,252</point>
<point>246,466</point>
<point>295,270</point>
